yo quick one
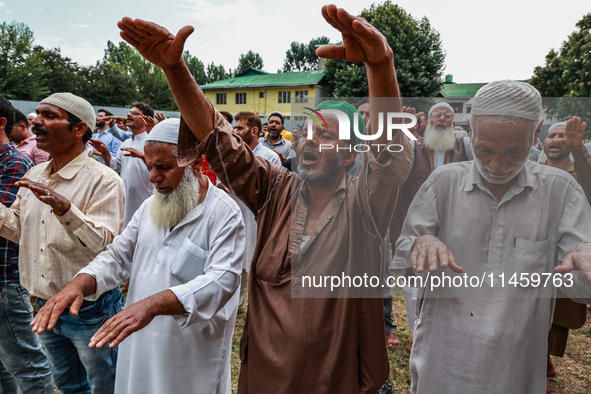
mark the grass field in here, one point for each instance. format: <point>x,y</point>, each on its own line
<point>574,370</point>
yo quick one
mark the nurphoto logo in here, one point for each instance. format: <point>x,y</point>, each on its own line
<point>392,124</point>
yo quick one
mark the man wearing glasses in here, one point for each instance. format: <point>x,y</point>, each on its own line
<point>129,161</point>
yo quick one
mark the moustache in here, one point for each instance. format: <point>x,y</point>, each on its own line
<point>39,129</point>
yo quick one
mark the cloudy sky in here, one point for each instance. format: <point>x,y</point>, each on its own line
<point>483,41</point>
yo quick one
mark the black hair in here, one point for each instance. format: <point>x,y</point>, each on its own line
<point>278,114</point>
<point>108,113</point>
<point>228,116</point>
<point>19,118</point>
<point>73,120</point>
<point>145,108</point>
<point>7,112</point>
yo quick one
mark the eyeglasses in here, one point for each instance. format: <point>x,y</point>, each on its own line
<point>446,115</point>
<point>135,113</point>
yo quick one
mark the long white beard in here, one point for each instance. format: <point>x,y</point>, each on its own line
<point>169,209</point>
<point>442,140</point>
<point>496,179</point>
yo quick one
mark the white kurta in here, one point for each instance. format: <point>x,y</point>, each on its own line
<point>487,340</point>
<point>134,173</point>
<point>200,260</point>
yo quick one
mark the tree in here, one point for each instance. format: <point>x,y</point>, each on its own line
<point>57,73</point>
<point>108,84</point>
<point>302,57</point>
<point>196,68</point>
<point>567,74</point>
<point>418,56</point>
<point>216,73</point>
<point>249,60</point>
<point>20,73</point>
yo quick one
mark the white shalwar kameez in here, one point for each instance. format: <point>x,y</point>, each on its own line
<point>200,261</point>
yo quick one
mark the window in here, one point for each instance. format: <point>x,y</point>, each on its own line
<point>458,107</point>
<point>284,97</point>
<point>301,96</point>
<point>299,118</point>
<point>240,98</point>
<point>261,94</point>
<point>468,109</point>
<point>220,98</point>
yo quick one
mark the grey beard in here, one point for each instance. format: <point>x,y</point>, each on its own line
<point>494,179</point>
<point>442,140</point>
<point>322,176</point>
<point>168,210</point>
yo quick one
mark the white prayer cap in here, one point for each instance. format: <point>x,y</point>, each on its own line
<point>440,104</point>
<point>508,98</point>
<point>75,105</point>
<point>33,114</point>
<point>558,124</point>
<point>166,131</point>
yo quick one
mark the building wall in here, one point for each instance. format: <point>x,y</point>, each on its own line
<point>262,106</point>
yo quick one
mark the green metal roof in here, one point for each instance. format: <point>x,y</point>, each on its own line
<point>460,89</point>
<point>257,78</point>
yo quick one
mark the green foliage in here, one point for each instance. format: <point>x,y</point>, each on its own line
<point>567,74</point>
<point>418,56</point>
<point>302,57</point>
<point>216,73</point>
<point>249,60</point>
<point>108,84</point>
<point>196,68</point>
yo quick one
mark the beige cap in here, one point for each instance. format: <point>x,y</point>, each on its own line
<point>75,105</point>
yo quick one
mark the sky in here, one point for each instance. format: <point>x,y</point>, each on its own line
<point>483,41</point>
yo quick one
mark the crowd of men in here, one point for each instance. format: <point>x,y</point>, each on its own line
<point>192,214</point>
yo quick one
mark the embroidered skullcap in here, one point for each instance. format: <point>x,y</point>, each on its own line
<point>75,105</point>
<point>165,131</point>
<point>438,105</point>
<point>508,98</point>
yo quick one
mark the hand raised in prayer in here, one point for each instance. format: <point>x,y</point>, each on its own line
<point>411,110</point>
<point>101,149</point>
<point>160,116</point>
<point>134,153</point>
<point>149,122</point>
<point>154,42</point>
<point>578,259</point>
<point>71,296</point>
<point>430,249</point>
<point>573,133</point>
<point>57,202</point>
<point>361,41</point>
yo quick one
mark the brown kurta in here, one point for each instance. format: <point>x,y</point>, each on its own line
<point>569,314</point>
<point>308,345</point>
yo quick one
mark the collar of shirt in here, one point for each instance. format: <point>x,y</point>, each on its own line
<point>69,170</point>
<point>140,136</point>
<point>524,180</point>
<point>280,142</point>
<point>4,149</point>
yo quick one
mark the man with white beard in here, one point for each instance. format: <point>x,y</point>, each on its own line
<point>474,220</point>
<point>439,146</point>
<point>182,253</point>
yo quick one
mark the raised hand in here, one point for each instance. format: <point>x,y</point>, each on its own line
<point>154,42</point>
<point>160,116</point>
<point>574,133</point>
<point>361,41</point>
<point>149,122</point>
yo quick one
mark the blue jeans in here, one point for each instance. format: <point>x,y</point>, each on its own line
<point>77,368</point>
<point>23,362</point>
